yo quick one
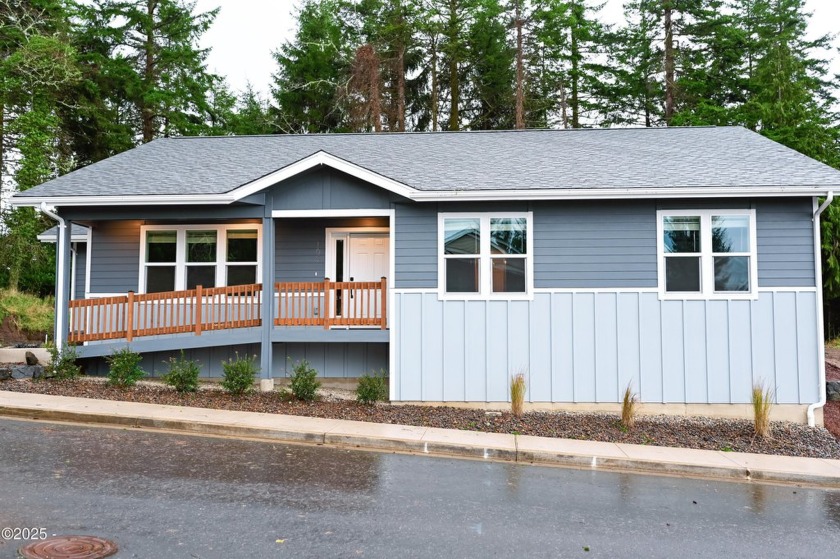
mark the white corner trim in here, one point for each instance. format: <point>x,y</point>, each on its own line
<point>88,258</point>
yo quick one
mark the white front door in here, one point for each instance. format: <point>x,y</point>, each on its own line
<point>367,257</point>
<point>358,257</point>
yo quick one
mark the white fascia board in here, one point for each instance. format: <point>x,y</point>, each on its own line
<point>613,194</point>
<point>148,200</point>
<point>323,158</point>
<point>52,238</point>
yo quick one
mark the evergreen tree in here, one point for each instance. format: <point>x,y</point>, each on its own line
<point>491,77</point>
<point>38,67</point>
<point>313,69</point>
<point>152,50</point>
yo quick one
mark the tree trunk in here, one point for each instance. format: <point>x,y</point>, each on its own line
<point>564,106</point>
<point>669,61</point>
<point>433,44</point>
<point>401,89</point>
<point>375,101</point>
<point>520,93</point>
<point>454,83</point>
<point>575,74</point>
<point>147,113</point>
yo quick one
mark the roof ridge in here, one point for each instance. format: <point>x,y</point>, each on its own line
<point>454,132</point>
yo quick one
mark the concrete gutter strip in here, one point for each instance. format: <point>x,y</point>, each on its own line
<point>423,440</point>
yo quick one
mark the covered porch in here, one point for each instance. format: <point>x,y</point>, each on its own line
<point>326,304</point>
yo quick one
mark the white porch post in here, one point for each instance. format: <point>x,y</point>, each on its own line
<point>267,311</point>
<point>62,285</point>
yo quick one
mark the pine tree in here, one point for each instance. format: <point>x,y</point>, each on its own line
<point>313,69</point>
<point>152,49</point>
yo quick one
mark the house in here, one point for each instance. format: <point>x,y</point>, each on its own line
<point>682,261</point>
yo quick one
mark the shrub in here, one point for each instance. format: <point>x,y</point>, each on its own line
<point>762,401</point>
<point>183,374</point>
<point>239,374</point>
<point>373,387</point>
<point>517,393</point>
<point>628,408</point>
<point>124,367</point>
<point>62,365</point>
<point>303,381</point>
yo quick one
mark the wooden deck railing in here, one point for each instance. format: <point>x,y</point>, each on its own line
<point>171,312</point>
<point>329,303</point>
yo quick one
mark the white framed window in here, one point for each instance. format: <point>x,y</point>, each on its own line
<point>485,255</point>
<point>705,254</point>
<point>177,257</point>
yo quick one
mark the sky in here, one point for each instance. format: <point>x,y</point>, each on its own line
<point>247,31</point>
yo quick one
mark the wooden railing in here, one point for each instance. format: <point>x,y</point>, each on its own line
<point>329,303</point>
<point>171,312</point>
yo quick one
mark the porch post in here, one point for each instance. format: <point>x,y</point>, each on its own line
<point>267,311</point>
<point>62,285</point>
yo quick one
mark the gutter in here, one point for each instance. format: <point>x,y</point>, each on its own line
<point>820,320</point>
<point>60,272</point>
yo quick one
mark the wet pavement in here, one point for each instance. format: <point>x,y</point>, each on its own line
<point>162,495</point>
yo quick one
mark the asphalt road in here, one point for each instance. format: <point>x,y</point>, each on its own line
<point>161,495</point>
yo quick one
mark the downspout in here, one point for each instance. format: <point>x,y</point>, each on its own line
<point>61,265</point>
<point>820,320</point>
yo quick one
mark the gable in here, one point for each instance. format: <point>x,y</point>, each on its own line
<point>325,188</point>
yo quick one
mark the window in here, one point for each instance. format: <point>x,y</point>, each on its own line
<point>707,253</point>
<point>485,255</point>
<point>184,257</point>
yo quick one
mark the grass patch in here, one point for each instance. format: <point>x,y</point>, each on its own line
<point>762,401</point>
<point>28,312</point>
<point>628,408</point>
<point>517,394</point>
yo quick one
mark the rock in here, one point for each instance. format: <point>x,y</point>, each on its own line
<point>5,373</point>
<point>31,359</point>
<point>832,390</point>
<point>28,371</point>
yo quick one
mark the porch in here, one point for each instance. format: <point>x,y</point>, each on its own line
<point>324,311</point>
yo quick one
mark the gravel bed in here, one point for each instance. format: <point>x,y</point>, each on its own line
<point>696,432</point>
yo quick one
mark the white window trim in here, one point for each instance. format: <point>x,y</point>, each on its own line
<point>181,251</point>
<point>707,270</point>
<point>485,262</point>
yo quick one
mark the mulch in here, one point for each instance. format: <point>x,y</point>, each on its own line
<point>689,432</point>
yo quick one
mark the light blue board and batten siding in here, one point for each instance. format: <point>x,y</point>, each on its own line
<point>587,346</point>
<point>612,244</point>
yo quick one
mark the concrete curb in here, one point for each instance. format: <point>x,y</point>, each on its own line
<point>421,440</point>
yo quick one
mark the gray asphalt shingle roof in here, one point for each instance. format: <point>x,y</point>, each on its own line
<point>51,234</point>
<point>529,159</point>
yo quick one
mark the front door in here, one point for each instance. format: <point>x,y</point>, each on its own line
<point>358,257</point>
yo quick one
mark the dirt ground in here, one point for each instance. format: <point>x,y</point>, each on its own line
<point>11,335</point>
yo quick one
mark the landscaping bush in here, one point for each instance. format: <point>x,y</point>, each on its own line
<point>372,388</point>
<point>183,374</point>
<point>239,374</point>
<point>303,382</point>
<point>124,367</point>
<point>517,394</point>
<point>62,365</point>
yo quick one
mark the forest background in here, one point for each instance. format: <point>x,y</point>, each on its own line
<point>84,80</point>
